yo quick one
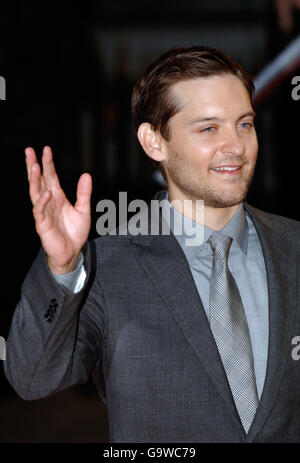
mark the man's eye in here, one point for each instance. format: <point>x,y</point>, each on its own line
<point>246,125</point>
<point>208,129</point>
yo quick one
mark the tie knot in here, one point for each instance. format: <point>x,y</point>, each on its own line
<point>220,244</point>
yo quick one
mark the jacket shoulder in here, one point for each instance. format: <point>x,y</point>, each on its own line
<point>275,222</point>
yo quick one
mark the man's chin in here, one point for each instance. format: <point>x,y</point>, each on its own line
<point>219,202</point>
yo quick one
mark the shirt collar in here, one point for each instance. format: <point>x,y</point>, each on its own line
<point>236,228</point>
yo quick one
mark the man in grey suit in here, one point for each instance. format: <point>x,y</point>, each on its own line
<point>185,343</point>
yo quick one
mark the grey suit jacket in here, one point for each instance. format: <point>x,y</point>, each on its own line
<point>139,328</point>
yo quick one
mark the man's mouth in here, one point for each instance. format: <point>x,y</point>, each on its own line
<point>227,169</point>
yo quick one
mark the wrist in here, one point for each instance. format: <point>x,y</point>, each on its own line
<point>58,269</point>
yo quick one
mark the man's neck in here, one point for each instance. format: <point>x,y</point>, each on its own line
<point>217,217</point>
<point>212,217</point>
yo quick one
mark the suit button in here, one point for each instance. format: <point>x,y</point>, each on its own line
<point>48,317</point>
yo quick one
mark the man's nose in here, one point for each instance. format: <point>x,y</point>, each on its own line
<point>233,142</point>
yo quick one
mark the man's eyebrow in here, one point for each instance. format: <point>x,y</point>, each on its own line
<point>215,118</point>
<point>204,119</point>
<point>251,113</point>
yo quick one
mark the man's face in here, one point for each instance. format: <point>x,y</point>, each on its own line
<point>212,150</point>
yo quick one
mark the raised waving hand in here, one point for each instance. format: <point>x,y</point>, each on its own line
<point>62,227</point>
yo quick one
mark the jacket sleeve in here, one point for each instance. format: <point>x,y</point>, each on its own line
<point>56,337</point>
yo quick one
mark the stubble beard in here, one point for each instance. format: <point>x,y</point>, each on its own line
<point>191,187</point>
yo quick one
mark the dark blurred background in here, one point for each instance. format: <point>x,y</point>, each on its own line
<point>69,74</point>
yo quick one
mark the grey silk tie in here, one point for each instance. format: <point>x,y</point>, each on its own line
<point>230,329</point>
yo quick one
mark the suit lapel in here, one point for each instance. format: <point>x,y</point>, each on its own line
<point>281,277</point>
<point>164,262</point>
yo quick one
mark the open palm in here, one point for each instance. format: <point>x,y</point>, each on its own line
<point>62,227</point>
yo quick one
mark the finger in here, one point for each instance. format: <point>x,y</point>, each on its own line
<point>35,184</point>
<point>49,172</point>
<point>83,195</point>
<point>30,159</point>
<point>39,210</point>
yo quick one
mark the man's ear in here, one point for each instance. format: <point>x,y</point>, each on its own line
<point>151,142</point>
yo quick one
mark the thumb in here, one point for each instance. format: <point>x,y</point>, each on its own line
<point>83,195</point>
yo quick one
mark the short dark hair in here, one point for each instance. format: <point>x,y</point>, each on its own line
<point>151,98</point>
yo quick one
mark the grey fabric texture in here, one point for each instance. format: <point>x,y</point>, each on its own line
<point>229,326</point>
<point>247,265</point>
<point>138,327</point>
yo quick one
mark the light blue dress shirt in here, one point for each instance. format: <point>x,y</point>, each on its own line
<point>247,265</point>
<point>245,261</point>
